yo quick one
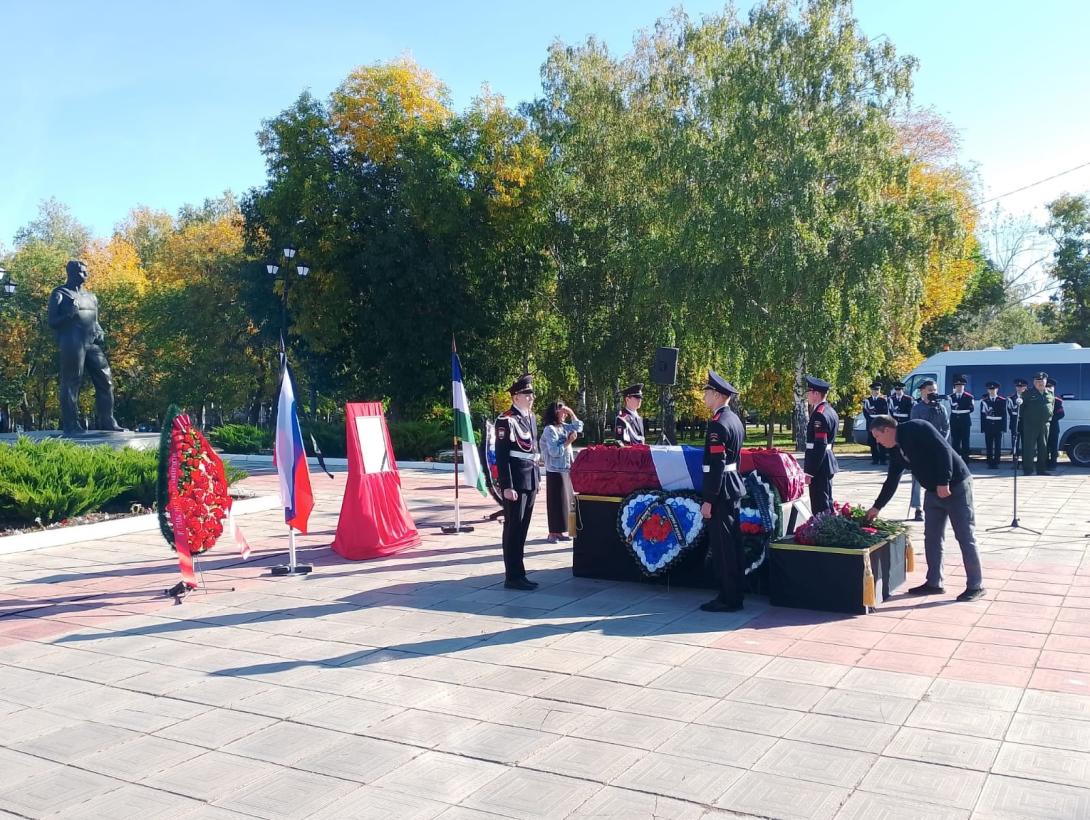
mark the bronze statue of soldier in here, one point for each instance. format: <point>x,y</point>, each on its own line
<point>73,315</point>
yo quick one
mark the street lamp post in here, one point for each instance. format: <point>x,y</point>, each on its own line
<point>274,270</point>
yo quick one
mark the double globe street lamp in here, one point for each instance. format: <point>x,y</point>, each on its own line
<point>7,284</point>
<point>274,270</point>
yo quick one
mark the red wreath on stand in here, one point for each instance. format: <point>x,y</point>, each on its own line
<point>197,498</point>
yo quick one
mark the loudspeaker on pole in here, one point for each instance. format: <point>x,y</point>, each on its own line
<point>664,366</point>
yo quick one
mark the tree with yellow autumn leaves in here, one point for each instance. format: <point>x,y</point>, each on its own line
<point>754,191</point>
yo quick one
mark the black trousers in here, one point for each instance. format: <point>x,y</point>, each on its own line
<point>821,494</point>
<point>725,543</point>
<point>959,436</point>
<point>516,522</point>
<point>1053,443</point>
<point>993,442</point>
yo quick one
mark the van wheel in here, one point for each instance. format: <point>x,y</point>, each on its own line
<point>1079,451</point>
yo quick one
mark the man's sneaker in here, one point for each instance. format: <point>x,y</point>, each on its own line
<point>926,589</point>
<point>971,594</point>
<point>919,515</point>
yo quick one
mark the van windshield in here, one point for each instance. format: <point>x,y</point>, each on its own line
<point>912,384</point>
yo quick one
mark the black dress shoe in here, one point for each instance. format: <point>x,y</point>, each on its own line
<point>520,583</point>
<point>926,589</point>
<point>721,606</point>
<point>971,594</point>
<point>919,515</point>
<point>534,584</point>
<point>1045,472</point>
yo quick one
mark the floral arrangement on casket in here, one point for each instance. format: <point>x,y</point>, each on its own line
<point>846,526</point>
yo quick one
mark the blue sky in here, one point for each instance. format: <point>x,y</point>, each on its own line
<point>112,104</point>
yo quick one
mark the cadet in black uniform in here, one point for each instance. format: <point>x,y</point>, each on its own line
<point>993,423</point>
<point>820,464</point>
<point>1014,418</point>
<point>875,405</point>
<point>1054,426</point>
<point>900,403</point>
<point>961,418</point>
<point>516,459</point>
<point>628,427</point>
<point>722,492</point>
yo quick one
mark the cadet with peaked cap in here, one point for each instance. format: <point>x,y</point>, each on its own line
<point>516,461</point>
<point>900,403</point>
<point>722,492</point>
<point>819,463</point>
<point>1054,426</point>
<point>875,405</point>
<point>961,417</point>
<point>993,422</point>
<point>628,426</point>
<point>1014,413</point>
<point>1038,405</point>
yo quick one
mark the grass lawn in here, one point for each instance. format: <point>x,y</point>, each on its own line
<point>755,437</point>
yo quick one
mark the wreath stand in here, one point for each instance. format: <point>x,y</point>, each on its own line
<point>181,590</point>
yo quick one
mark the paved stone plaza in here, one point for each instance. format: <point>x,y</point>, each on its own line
<point>416,686</point>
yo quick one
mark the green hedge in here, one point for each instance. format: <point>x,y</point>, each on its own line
<point>418,440</point>
<point>54,479</point>
<point>413,440</point>
<point>240,439</point>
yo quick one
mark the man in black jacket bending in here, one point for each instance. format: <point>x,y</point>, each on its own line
<point>918,447</point>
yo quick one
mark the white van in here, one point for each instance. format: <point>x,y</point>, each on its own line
<point>1068,364</point>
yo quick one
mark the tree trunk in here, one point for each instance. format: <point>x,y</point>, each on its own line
<point>669,415</point>
<point>768,434</point>
<point>801,413</point>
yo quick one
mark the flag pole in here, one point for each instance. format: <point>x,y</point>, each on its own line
<point>457,528</point>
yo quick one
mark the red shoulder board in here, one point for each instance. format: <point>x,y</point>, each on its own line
<point>820,408</point>
<point>718,413</point>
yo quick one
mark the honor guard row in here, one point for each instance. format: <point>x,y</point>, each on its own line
<point>628,426</point>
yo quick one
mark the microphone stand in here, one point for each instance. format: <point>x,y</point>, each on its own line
<point>1014,525</point>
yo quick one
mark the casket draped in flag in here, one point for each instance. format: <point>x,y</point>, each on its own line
<point>637,511</point>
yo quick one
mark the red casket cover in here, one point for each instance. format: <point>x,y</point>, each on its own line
<point>613,471</point>
<point>374,519</point>
<point>778,467</point>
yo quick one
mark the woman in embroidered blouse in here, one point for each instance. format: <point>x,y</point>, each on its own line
<point>561,428</point>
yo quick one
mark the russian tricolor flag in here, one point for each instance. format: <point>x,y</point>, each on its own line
<point>291,459</point>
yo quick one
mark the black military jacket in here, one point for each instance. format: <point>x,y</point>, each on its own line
<point>722,450</point>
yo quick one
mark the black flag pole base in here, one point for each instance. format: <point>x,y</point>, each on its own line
<point>1014,525</point>
<point>496,516</point>
<point>454,530</point>
<point>298,569</point>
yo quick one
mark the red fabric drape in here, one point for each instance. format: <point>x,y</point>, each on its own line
<point>374,519</point>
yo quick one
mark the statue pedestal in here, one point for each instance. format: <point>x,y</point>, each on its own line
<point>91,438</point>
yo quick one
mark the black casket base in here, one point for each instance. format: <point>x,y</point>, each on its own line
<point>598,550</point>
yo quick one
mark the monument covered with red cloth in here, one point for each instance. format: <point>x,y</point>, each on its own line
<point>374,519</point>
